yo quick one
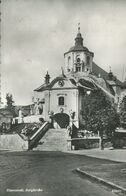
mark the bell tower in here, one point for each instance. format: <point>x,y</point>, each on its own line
<point>78,58</point>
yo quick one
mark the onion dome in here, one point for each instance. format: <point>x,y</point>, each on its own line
<point>79,44</point>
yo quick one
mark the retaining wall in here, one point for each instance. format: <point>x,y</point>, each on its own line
<point>13,142</point>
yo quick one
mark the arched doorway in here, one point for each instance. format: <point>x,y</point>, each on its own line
<point>62,119</point>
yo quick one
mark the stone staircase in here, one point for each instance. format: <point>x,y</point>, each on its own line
<point>53,140</point>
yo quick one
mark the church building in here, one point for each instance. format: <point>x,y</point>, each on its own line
<point>63,96</point>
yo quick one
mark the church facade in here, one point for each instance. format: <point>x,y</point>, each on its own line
<point>64,96</point>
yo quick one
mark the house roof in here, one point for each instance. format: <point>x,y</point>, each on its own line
<point>24,108</point>
<point>7,112</point>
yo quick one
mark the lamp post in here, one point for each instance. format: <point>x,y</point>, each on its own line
<point>88,92</point>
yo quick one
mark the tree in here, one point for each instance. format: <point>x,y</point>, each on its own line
<point>9,99</point>
<point>123,112</point>
<point>123,104</point>
<point>100,114</point>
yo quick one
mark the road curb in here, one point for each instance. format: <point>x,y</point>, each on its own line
<point>101,180</point>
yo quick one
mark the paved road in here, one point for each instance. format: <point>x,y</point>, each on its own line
<point>51,173</point>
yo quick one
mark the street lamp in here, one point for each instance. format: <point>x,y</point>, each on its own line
<point>88,92</point>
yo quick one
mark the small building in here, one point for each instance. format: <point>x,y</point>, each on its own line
<point>6,117</point>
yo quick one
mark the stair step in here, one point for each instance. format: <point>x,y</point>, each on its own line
<point>54,140</point>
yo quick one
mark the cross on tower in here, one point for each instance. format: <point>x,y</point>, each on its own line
<point>110,68</point>
<point>79,27</point>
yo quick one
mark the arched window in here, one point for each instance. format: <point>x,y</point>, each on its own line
<point>88,60</point>
<point>78,67</point>
<point>78,60</point>
<point>61,101</point>
<point>78,63</point>
<point>69,59</point>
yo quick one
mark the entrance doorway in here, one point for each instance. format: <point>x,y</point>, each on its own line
<point>62,119</point>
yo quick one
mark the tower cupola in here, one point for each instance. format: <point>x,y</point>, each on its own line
<point>78,58</point>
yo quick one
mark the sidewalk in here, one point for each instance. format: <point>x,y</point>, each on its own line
<point>111,174</point>
<point>118,155</point>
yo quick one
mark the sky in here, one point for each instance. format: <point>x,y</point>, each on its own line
<point>36,33</point>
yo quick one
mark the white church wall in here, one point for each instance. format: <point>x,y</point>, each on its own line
<point>70,101</point>
<point>81,55</point>
<point>80,106</point>
<point>69,60</point>
<point>47,104</point>
<point>71,57</point>
<point>91,60</point>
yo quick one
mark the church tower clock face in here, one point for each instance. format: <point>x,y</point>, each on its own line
<point>61,83</point>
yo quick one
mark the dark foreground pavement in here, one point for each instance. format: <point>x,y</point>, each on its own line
<point>47,174</point>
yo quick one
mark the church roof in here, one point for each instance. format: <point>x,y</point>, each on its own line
<point>79,45</point>
<point>44,87</point>
<point>87,84</point>
<point>96,70</point>
<point>78,48</point>
<point>124,84</point>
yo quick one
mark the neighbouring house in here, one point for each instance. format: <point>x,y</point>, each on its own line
<point>6,117</point>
